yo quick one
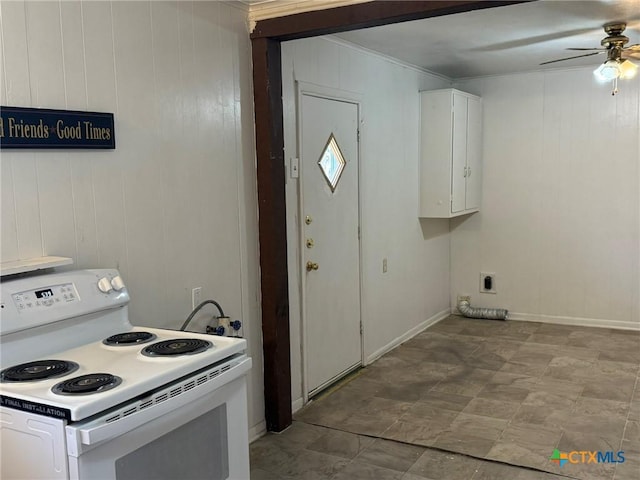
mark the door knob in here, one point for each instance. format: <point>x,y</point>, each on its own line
<point>311,266</point>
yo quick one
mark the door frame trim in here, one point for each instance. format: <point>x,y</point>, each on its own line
<point>266,41</point>
<point>354,98</point>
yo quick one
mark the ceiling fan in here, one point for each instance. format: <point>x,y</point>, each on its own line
<point>617,65</point>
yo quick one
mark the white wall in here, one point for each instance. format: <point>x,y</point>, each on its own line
<point>560,216</point>
<point>416,286</point>
<point>174,206</point>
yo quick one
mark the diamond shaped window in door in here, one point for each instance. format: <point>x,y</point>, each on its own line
<point>332,162</point>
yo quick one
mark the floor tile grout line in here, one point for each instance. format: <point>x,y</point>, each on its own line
<point>635,389</point>
<point>444,450</point>
<point>624,430</point>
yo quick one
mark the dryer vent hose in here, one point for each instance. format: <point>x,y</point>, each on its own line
<point>489,313</point>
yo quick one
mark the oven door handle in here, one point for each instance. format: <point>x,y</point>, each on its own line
<point>99,430</point>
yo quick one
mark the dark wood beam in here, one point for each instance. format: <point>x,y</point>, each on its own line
<point>267,91</point>
<point>365,15</point>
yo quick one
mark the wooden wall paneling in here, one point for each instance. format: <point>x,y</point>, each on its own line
<point>78,51</point>
<point>3,79</point>
<point>27,208</point>
<point>247,194</point>
<point>75,81</point>
<point>75,84</point>
<point>173,161</point>
<point>8,232</point>
<point>206,140</point>
<point>228,76</point>
<point>84,213</point>
<point>221,189</point>
<point>143,212</point>
<point>100,222</point>
<point>16,57</point>
<point>23,164</point>
<point>106,172</point>
<point>97,23</point>
<point>45,54</point>
<point>183,177</point>
<point>46,68</point>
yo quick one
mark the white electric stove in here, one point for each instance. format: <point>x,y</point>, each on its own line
<point>92,396</point>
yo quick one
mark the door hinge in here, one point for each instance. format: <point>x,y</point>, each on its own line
<point>358,134</point>
<point>358,233</point>
<point>360,328</point>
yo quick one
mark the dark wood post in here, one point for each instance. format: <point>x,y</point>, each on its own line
<point>267,87</point>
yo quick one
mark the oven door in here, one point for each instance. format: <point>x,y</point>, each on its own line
<point>199,432</point>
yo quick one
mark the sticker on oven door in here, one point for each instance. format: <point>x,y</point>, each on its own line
<point>33,407</point>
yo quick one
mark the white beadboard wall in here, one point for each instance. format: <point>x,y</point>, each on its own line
<point>174,206</point>
<point>560,216</point>
<point>415,290</point>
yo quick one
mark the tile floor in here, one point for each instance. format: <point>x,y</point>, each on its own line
<point>469,399</point>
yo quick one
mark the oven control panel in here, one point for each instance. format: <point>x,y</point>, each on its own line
<point>44,298</point>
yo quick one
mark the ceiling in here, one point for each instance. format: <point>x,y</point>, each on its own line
<point>503,40</point>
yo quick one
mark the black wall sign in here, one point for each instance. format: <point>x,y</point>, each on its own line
<point>43,128</point>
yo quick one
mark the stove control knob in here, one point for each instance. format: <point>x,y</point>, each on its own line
<point>104,285</point>
<point>117,283</point>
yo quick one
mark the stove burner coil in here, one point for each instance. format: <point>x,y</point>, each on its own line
<point>37,370</point>
<point>177,346</point>
<point>129,338</point>
<point>87,384</point>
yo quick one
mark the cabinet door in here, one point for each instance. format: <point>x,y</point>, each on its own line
<point>474,149</point>
<point>459,153</point>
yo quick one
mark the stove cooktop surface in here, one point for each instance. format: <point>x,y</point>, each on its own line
<point>87,391</point>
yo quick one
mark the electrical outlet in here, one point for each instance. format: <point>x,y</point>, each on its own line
<point>196,297</point>
<point>464,298</point>
<point>488,282</point>
<point>384,265</point>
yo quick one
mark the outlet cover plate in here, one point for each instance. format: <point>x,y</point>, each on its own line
<point>483,275</point>
<point>196,297</point>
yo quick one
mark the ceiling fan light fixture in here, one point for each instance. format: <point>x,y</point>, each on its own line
<point>628,69</point>
<point>609,70</point>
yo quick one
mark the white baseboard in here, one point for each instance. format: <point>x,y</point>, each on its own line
<point>297,405</point>
<point>406,336</point>
<point>257,431</point>
<point>577,321</point>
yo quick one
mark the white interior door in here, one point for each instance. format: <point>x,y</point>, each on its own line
<point>328,134</point>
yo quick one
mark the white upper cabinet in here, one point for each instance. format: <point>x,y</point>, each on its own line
<point>450,153</point>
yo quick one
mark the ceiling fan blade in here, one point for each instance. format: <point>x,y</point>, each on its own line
<point>633,48</point>
<point>570,58</point>
<point>586,49</point>
<point>524,42</point>
<point>633,55</point>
